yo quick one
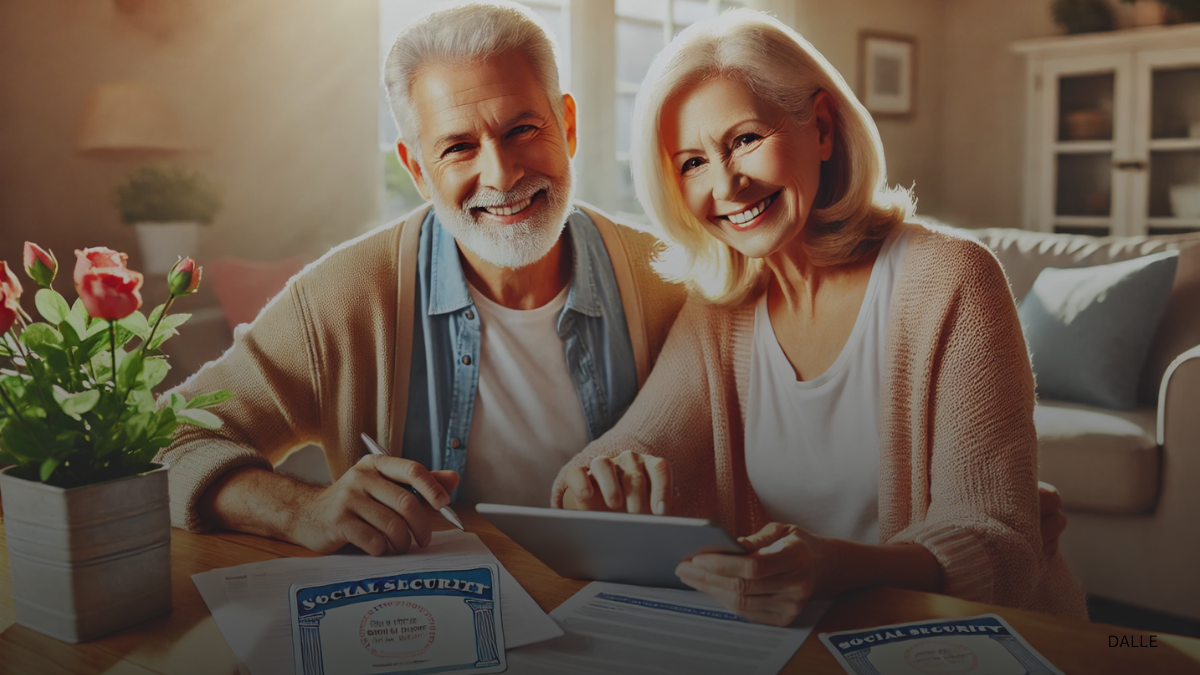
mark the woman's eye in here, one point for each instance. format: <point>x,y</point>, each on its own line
<point>690,164</point>
<point>745,139</point>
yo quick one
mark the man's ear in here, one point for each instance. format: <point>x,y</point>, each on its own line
<point>823,115</point>
<point>409,161</point>
<point>569,123</point>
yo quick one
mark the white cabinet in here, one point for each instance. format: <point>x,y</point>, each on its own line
<point>1113,132</point>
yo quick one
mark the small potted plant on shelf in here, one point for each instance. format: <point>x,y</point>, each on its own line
<point>167,205</point>
<point>86,516</point>
<point>1082,16</point>
<point>1158,12</point>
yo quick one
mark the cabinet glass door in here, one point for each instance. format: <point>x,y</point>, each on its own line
<point>1086,131</point>
<point>1168,199</point>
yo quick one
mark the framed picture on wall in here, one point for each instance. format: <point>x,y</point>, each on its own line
<point>887,73</point>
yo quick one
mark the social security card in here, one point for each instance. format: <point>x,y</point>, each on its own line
<point>979,645</point>
<point>418,621</point>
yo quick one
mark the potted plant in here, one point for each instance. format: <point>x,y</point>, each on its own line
<point>1158,12</point>
<point>167,205</point>
<point>1082,16</point>
<point>85,507</point>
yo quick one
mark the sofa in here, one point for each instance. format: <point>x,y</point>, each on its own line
<point>1129,479</point>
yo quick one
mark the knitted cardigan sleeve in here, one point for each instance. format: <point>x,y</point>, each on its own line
<point>967,390</point>
<point>670,418</point>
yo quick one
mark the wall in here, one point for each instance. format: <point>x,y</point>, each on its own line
<point>912,146</point>
<point>982,154</point>
<point>281,97</point>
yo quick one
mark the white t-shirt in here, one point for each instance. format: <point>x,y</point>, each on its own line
<point>812,448</point>
<point>528,421</point>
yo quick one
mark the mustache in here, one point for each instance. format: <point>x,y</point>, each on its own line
<point>525,188</point>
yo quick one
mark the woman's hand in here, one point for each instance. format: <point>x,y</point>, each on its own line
<point>631,482</point>
<point>772,584</point>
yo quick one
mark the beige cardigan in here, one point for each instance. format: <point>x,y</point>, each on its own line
<point>319,363</point>
<point>958,448</point>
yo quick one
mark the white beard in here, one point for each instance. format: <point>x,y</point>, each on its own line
<point>509,246</point>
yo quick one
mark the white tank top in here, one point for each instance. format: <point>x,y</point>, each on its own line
<point>812,448</point>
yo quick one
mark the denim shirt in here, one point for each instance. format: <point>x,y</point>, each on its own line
<point>446,336</point>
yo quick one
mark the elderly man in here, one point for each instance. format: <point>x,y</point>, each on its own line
<point>488,338</point>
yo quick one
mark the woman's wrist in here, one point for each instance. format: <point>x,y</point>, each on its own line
<point>848,566</point>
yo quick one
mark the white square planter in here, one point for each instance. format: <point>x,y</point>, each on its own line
<point>90,560</point>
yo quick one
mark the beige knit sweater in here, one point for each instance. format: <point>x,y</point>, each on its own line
<point>958,448</point>
<point>319,365</point>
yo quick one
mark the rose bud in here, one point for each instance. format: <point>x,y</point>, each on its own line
<point>10,286</point>
<point>184,277</point>
<point>111,292</point>
<point>8,310</point>
<point>99,256</point>
<point>40,264</point>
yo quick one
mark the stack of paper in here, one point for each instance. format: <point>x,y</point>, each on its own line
<point>250,602</point>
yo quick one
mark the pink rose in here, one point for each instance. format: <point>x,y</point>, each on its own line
<point>184,277</point>
<point>8,310</point>
<point>110,292</point>
<point>90,258</point>
<point>40,264</point>
<point>10,286</point>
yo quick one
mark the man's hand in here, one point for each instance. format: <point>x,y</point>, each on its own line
<point>1053,520</point>
<point>367,507</point>
<point>632,482</point>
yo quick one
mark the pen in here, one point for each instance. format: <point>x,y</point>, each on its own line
<point>447,512</point>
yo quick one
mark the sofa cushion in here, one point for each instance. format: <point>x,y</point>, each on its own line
<point>1088,328</point>
<point>1100,460</point>
<point>1024,254</point>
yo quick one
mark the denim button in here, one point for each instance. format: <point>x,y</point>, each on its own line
<point>455,443</point>
<point>466,360</point>
<point>470,315</point>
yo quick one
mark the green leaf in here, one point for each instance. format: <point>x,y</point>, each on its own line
<point>136,427</point>
<point>178,402</point>
<point>161,336</point>
<point>96,327</point>
<point>71,336</point>
<point>76,404</point>
<point>136,323</point>
<point>200,418</point>
<point>208,400</point>
<point>173,321</point>
<point>42,338</point>
<point>7,457</point>
<point>48,468</point>
<point>124,335</point>
<point>142,400</point>
<point>52,306</point>
<point>154,371</point>
<point>129,370</point>
<point>155,314</point>
<point>19,442</point>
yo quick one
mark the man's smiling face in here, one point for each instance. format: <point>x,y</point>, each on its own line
<point>495,159</point>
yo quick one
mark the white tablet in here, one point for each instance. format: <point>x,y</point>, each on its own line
<point>627,548</point>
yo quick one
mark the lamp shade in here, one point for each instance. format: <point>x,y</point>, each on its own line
<point>121,117</point>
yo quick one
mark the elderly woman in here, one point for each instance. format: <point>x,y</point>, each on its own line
<point>847,390</point>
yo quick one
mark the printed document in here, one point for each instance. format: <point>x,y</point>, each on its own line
<point>428,621</point>
<point>980,645</point>
<point>250,602</point>
<point>615,628</point>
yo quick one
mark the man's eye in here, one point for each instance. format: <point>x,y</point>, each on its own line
<point>457,147</point>
<point>523,129</point>
<point>691,164</point>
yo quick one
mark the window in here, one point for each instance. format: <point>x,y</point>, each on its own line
<point>399,195</point>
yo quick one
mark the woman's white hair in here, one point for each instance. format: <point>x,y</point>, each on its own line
<point>854,209</point>
<point>463,33</point>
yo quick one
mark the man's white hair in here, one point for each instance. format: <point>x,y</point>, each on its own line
<point>465,33</point>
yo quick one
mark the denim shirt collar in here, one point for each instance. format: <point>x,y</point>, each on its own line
<point>448,291</point>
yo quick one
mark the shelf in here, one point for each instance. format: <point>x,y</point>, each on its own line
<point>1082,147</point>
<point>1083,221</point>
<point>1173,222</point>
<point>1160,144</point>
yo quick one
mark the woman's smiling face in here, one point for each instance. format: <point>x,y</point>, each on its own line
<point>745,168</point>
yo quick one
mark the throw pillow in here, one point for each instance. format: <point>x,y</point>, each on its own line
<point>1089,328</point>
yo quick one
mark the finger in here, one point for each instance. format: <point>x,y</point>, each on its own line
<point>661,487</point>
<point>356,531</point>
<point>634,482</point>
<point>386,522</point>
<point>795,582</point>
<point>413,473</point>
<point>404,504</point>
<point>583,495</point>
<point>605,475</point>
<point>792,555</point>
<point>1049,501</point>
<point>1052,528</point>
<point>448,479</point>
<point>768,535</point>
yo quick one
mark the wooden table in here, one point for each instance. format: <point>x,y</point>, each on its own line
<point>186,641</point>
